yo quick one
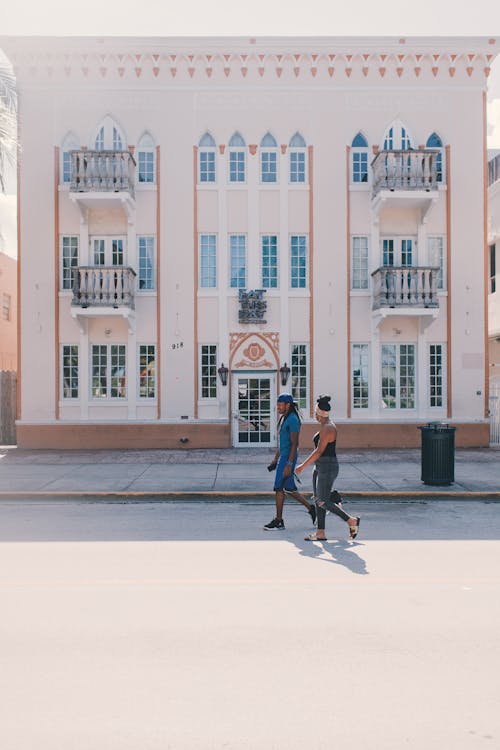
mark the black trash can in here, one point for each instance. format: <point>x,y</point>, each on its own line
<point>438,453</point>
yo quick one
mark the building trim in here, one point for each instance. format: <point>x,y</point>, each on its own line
<point>348,281</point>
<point>310,168</point>
<point>57,259</point>
<point>485,260</point>
<point>19,316</point>
<point>195,280</point>
<point>449,393</point>
<point>158,287</point>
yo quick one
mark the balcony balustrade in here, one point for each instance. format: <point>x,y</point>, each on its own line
<point>104,286</point>
<point>405,286</point>
<point>102,171</point>
<point>406,170</point>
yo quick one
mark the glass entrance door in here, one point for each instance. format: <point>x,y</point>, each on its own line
<point>254,421</point>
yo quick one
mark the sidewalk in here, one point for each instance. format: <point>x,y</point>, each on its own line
<point>234,472</point>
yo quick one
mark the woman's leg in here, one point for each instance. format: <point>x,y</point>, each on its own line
<point>326,474</point>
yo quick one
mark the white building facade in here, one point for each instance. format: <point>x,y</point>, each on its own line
<point>205,223</point>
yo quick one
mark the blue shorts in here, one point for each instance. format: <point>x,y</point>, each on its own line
<point>284,484</point>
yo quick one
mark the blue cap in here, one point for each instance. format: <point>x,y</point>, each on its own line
<point>285,398</point>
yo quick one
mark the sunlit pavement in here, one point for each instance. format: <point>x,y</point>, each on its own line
<point>183,625</point>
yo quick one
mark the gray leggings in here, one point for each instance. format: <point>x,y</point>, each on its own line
<point>324,474</point>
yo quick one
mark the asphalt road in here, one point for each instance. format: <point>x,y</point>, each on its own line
<point>183,625</point>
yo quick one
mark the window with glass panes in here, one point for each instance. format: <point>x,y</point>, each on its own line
<point>297,166</point>
<point>147,371</point>
<point>208,261</point>
<point>146,166</point>
<point>208,362</point>
<point>69,258</point>
<point>398,376</point>
<point>298,374</point>
<point>207,166</point>
<point>359,278</point>
<point>269,246</point>
<point>359,159</point>
<point>298,261</point>
<point>237,260</point>
<point>109,374</point>
<point>236,166</point>
<point>436,375</point>
<point>359,364</point>
<point>269,166</point>
<point>435,257</point>
<point>66,166</point>
<point>69,368</point>
<point>146,247</point>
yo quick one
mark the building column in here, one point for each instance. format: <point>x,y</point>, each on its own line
<point>84,370</point>
<point>132,373</point>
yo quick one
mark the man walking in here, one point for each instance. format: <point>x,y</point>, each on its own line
<point>285,460</point>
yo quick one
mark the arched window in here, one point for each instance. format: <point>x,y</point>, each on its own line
<point>237,156</point>
<point>146,159</point>
<point>359,159</point>
<point>297,151</point>
<point>206,159</point>
<point>434,141</point>
<point>70,143</point>
<point>268,159</point>
<point>397,138</point>
<point>109,136</point>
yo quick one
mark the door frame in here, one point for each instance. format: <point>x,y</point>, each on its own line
<point>272,375</point>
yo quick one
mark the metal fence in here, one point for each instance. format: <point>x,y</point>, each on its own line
<point>8,399</point>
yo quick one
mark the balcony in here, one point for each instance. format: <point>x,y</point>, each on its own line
<point>103,290</point>
<point>405,291</point>
<point>100,177</point>
<point>406,178</point>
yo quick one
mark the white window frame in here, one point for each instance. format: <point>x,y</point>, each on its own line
<point>140,397</point>
<point>206,150</point>
<point>65,398</point>
<point>150,239</point>
<point>242,236</point>
<point>108,398</point>
<point>360,262</point>
<point>267,150</point>
<point>431,376</point>
<point>398,251</point>
<point>211,375</point>
<point>295,373</point>
<point>359,151</point>
<point>296,147</point>
<point>263,238</point>
<point>306,255</point>
<point>74,243</point>
<point>108,250</point>
<point>70,143</point>
<point>210,238</point>
<point>147,147</point>
<point>355,347</point>
<point>109,136</point>
<point>442,285</point>
<point>398,385</point>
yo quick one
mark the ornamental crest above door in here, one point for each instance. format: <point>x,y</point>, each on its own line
<point>254,351</point>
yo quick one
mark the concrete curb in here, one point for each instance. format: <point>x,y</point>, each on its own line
<point>227,496</point>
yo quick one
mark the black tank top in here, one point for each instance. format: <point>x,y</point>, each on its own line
<point>330,448</point>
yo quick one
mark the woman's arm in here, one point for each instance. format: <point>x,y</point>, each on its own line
<point>326,435</point>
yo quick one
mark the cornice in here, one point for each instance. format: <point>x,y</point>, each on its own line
<point>237,59</point>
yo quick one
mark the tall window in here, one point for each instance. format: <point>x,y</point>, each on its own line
<point>493,269</point>
<point>398,376</point>
<point>146,159</point>
<point>269,261</point>
<point>297,151</point>
<point>69,370</point>
<point>359,363</point>
<point>208,261</point>
<point>398,251</point>
<point>360,262</point>
<point>206,159</point>
<point>108,251</point>
<point>434,141</point>
<point>436,375</point>
<point>109,373</point>
<point>359,159</point>
<point>69,260</point>
<point>147,371</point>
<point>298,374</point>
<point>70,143</point>
<point>146,248</point>
<point>298,261</point>
<point>237,159</point>
<point>6,306</point>
<point>208,379</point>
<point>238,261</point>
<point>109,136</point>
<point>435,256</point>
<point>268,159</point>
<point>397,138</point>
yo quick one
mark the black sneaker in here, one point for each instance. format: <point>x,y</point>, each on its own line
<point>276,523</point>
<point>312,513</point>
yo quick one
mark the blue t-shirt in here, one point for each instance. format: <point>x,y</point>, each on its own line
<point>290,424</point>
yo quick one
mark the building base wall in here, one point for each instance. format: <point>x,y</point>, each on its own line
<point>82,436</point>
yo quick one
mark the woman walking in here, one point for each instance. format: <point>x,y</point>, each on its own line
<point>325,472</point>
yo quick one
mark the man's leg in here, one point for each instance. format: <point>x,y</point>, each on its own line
<point>280,501</point>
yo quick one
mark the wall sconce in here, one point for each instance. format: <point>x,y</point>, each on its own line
<point>284,372</point>
<point>223,371</point>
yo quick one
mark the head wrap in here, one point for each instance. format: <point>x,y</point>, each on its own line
<point>285,398</point>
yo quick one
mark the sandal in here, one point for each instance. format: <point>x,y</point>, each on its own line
<point>314,538</point>
<point>353,530</point>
